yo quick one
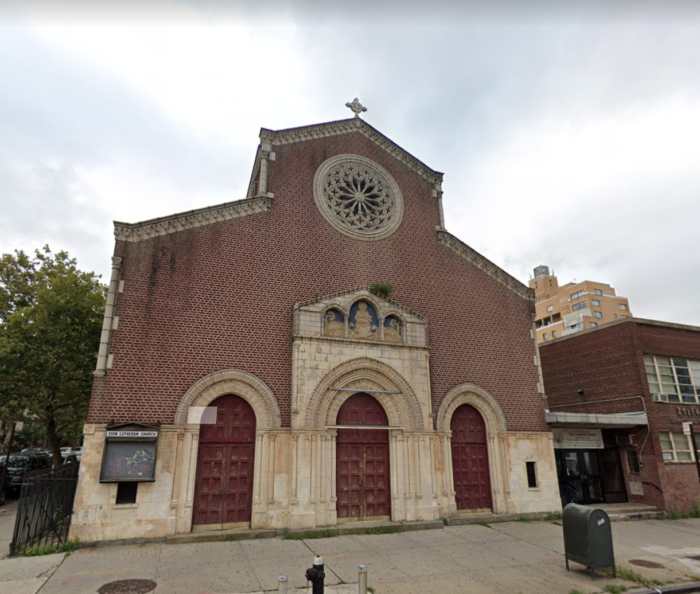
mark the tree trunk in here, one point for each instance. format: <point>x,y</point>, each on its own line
<point>6,442</point>
<point>54,442</point>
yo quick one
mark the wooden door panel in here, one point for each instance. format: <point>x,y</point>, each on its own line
<point>224,486</point>
<point>470,459</point>
<point>362,463</point>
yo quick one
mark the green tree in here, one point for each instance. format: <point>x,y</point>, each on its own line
<point>50,324</point>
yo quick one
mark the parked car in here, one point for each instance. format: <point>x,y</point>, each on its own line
<point>19,465</point>
<point>70,458</point>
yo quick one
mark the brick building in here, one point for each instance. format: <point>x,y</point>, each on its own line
<point>619,396</point>
<point>243,342</point>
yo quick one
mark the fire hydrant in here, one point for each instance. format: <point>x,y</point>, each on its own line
<point>316,575</point>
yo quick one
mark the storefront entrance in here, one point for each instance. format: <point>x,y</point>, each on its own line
<point>579,476</point>
<point>362,460</point>
<point>590,476</point>
<point>224,488</point>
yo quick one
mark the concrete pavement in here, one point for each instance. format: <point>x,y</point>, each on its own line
<point>8,512</point>
<point>506,558</point>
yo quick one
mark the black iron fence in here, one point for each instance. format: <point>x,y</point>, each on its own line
<point>45,508</point>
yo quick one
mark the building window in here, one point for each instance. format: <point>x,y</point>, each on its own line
<point>126,493</point>
<point>577,306</point>
<point>598,315</point>
<point>596,302</point>
<point>531,475</point>
<point>550,308</point>
<point>633,462</point>
<point>544,336</point>
<point>676,377</point>
<point>623,307</point>
<point>676,447</point>
<point>593,325</point>
<point>598,292</point>
<point>615,316</point>
<point>554,333</point>
<point>577,294</point>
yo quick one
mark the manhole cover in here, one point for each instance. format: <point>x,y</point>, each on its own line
<point>645,563</point>
<point>128,587</point>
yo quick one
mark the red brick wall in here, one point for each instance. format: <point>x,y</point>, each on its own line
<point>608,363</point>
<point>222,297</point>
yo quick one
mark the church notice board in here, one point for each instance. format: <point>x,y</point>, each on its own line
<point>130,453</point>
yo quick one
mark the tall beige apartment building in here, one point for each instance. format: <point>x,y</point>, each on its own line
<point>573,307</point>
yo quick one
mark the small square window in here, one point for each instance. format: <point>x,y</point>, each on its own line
<point>598,292</point>
<point>623,307</point>
<point>615,316</point>
<point>550,308</point>
<point>531,475</point>
<point>598,315</point>
<point>544,336</point>
<point>592,325</point>
<point>126,493</point>
<point>554,333</point>
<point>596,302</point>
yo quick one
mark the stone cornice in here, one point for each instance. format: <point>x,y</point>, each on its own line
<point>360,291</point>
<point>485,265</point>
<point>134,232</point>
<point>292,135</point>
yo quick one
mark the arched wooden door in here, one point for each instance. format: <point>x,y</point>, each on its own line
<point>362,463</point>
<point>470,459</point>
<point>224,489</point>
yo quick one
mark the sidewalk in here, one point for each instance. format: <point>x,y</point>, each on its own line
<point>8,512</point>
<point>507,558</point>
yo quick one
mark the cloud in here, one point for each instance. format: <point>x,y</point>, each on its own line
<point>568,132</point>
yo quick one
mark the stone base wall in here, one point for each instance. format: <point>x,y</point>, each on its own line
<point>295,481</point>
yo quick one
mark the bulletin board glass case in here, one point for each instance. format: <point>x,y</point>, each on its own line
<point>130,453</point>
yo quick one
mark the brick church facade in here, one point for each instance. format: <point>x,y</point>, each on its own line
<point>286,394</point>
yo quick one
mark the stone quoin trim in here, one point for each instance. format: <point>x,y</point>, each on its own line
<point>485,265</point>
<point>477,397</point>
<point>236,382</point>
<point>292,135</point>
<point>134,232</point>
<point>403,409</point>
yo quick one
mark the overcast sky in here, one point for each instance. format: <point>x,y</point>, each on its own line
<point>568,132</point>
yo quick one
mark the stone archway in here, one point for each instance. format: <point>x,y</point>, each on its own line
<point>495,429</point>
<point>365,375</point>
<point>477,397</point>
<point>232,381</point>
<point>268,421</point>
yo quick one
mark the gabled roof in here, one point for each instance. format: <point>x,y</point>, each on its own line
<point>326,129</point>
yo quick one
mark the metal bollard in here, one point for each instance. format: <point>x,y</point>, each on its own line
<point>316,575</point>
<point>282,584</point>
<point>362,579</point>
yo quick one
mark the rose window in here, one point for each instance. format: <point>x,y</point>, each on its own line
<point>358,197</point>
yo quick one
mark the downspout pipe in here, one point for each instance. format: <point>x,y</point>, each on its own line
<point>109,316</point>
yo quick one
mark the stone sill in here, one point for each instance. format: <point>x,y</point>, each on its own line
<point>125,505</point>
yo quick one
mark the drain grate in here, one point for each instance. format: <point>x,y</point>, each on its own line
<point>128,587</point>
<point>645,563</point>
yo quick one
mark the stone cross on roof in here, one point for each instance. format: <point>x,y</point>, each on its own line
<point>356,107</point>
